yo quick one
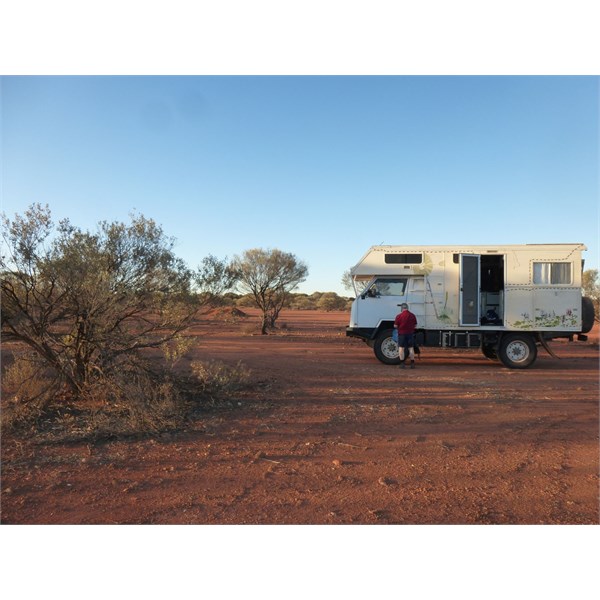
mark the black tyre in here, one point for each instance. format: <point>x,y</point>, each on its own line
<point>386,349</point>
<point>489,352</point>
<point>587,314</point>
<point>517,350</point>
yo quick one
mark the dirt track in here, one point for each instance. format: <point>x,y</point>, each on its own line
<point>333,436</point>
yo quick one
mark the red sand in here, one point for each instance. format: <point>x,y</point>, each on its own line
<point>334,436</point>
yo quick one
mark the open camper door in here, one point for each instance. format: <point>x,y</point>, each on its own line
<point>469,289</point>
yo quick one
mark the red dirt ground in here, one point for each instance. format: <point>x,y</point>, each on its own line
<point>337,437</point>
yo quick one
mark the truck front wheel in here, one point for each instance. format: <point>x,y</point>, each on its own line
<point>517,350</point>
<point>386,349</point>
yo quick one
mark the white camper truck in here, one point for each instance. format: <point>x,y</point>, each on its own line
<point>505,300</point>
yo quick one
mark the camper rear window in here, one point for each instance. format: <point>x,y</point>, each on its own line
<point>551,273</point>
<point>403,259</point>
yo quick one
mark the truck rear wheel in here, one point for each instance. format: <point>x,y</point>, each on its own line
<point>517,350</point>
<point>386,349</point>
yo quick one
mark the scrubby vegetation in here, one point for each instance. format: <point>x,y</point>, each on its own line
<point>135,403</point>
<point>97,322</point>
<point>218,381</point>
<point>327,301</point>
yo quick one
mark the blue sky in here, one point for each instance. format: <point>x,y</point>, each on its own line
<point>323,167</point>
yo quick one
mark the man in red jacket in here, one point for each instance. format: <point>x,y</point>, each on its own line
<point>406,323</point>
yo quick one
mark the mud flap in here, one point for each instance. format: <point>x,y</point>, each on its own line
<point>547,348</point>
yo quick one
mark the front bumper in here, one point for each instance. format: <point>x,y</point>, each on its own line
<point>364,333</point>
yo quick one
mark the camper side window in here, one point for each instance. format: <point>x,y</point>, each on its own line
<point>551,273</point>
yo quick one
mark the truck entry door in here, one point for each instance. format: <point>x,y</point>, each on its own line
<point>469,289</point>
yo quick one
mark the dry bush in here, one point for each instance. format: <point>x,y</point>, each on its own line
<point>132,401</point>
<point>230,315</point>
<point>249,329</point>
<point>87,302</point>
<point>135,400</point>
<point>219,381</point>
<point>27,389</point>
<point>136,403</point>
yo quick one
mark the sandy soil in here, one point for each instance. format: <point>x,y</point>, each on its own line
<point>334,436</point>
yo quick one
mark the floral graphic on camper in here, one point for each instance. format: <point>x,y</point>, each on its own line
<point>525,323</point>
<point>545,318</point>
<point>551,319</point>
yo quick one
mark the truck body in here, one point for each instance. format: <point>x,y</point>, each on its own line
<point>505,300</point>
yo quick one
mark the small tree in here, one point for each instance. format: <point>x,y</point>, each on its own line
<point>351,285</point>
<point>347,280</point>
<point>213,278</point>
<point>270,276</point>
<point>88,304</point>
<point>591,289</point>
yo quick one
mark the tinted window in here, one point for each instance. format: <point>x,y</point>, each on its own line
<point>403,259</point>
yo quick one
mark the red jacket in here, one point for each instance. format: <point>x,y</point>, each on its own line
<point>406,322</point>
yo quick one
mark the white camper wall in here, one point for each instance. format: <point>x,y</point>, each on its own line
<point>527,305</point>
<point>543,305</point>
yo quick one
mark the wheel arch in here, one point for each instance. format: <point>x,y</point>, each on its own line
<point>385,349</point>
<point>517,349</point>
<point>383,325</point>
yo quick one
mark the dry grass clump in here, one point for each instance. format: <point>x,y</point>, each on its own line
<point>129,403</point>
<point>135,400</point>
<point>230,315</point>
<point>218,381</point>
<point>250,329</point>
<point>254,329</point>
<point>27,389</point>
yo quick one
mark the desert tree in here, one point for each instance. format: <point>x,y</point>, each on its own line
<point>88,305</point>
<point>351,285</point>
<point>591,289</point>
<point>346,280</point>
<point>213,278</point>
<point>270,276</point>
